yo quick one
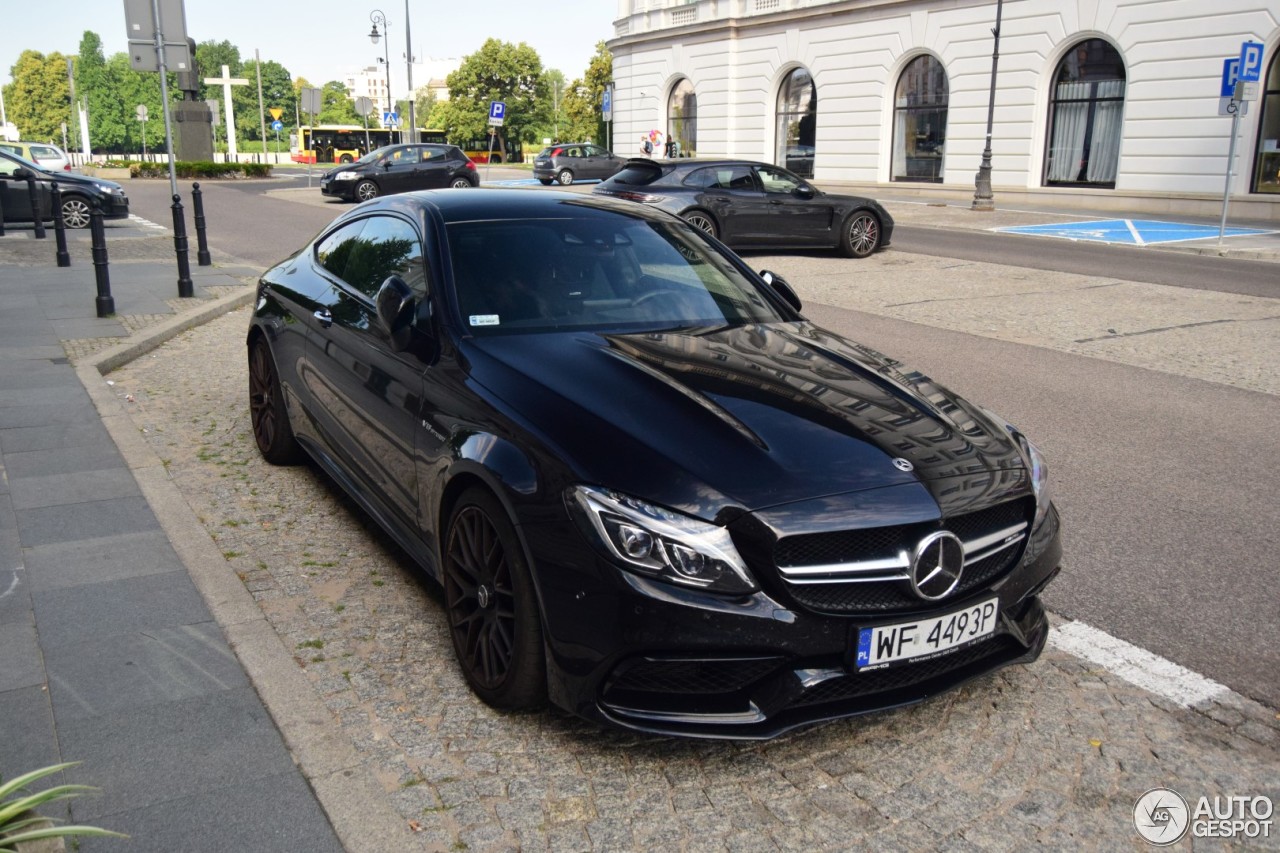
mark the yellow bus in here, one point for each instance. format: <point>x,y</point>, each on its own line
<point>346,143</point>
<point>478,150</point>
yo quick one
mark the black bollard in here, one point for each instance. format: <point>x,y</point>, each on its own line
<point>106,304</point>
<point>60,227</point>
<point>35,206</point>
<point>185,288</point>
<point>202,242</point>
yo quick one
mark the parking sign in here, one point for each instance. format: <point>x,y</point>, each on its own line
<point>1250,62</point>
<point>497,113</point>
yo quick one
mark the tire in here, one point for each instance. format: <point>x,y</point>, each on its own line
<point>492,605</point>
<point>75,211</point>
<point>860,235</point>
<point>546,182</point>
<point>366,190</point>
<point>496,158</point>
<point>565,177</point>
<point>267,413</point>
<point>346,158</point>
<point>460,184</point>
<point>703,221</point>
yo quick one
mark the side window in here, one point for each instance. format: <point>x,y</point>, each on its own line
<point>723,178</point>
<point>12,149</point>
<point>387,246</point>
<point>43,151</point>
<point>333,251</point>
<point>777,182</point>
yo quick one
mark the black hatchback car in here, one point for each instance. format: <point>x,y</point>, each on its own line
<point>653,492</point>
<point>749,204</point>
<point>78,192</point>
<point>399,169</point>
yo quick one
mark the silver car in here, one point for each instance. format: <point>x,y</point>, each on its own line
<point>566,162</point>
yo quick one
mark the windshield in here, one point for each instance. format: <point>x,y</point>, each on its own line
<point>375,155</point>
<point>598,271</point>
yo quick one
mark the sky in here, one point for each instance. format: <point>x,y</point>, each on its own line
<point>322,39</point>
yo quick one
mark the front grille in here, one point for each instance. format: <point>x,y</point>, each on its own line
<point>888,591</point>
<point>862,684</point>
<point>701,677</point>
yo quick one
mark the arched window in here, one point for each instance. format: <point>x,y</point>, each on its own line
<point>682,119</point>
<point>797,123</point>
<point>1266,167</point>
<point>920,121</point>
<point>1086,113</point>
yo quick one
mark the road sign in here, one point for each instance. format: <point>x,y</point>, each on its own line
<point>497,113</point>
<point>310,100</point>
<point>1230,74</point>
<point>391,119</point>
<point>606,103</point>
<point>277,125</point>
<point>142,112</point>
<point>1229,107</point>
<point>276,112</point>
<point>363,106</point>
<point>1250,62</point>
<point>213,110</point>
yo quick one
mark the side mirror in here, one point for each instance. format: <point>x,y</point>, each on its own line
<point>780,287</point>
<point>396,307</point>
<point>804,191</point>
<point>22,173</point>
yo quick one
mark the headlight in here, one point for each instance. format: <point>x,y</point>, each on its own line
<point>1039,476</point>
<point>106,189</point>
<point>660,543</point>
<point>346,176</point>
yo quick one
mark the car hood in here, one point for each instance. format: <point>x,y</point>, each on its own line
<point>753,416</point>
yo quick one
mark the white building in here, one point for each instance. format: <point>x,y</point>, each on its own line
<point>371,83</point>
<point>1098,103</point>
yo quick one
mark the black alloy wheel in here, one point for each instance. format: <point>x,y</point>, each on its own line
<point>702,220</point>
<point>366,190</point>
<point>271,429</point>
<point>492,607</point>
<point>75,211</point>
<point>861,235</point>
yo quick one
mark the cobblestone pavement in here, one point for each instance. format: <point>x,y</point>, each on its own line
<point>1054,754</point>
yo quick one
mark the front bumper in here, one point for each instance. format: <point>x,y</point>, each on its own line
<point>338,189</point>
<point>649,656</point>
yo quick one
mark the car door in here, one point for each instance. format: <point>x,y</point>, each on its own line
<point>795,212</point>
<point>16,196</point>
<point>730,191</point>
<point>368,395</point>
<point>396,170</point>
<point>599,163</point>
<point>432,168</point>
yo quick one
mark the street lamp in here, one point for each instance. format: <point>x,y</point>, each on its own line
<point>374,36</point>
<point>982,195</point>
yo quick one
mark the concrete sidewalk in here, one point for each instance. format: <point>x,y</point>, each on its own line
<point>109,655</point>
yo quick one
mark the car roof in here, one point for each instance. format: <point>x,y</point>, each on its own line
<point>480,204</point>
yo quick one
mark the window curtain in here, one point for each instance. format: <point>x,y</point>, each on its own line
<point>1108,119</point>
<point>1070,120</point>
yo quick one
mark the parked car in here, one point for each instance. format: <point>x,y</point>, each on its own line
<point>46,155</point>
<point>652,491</point>
<point>401,168</point>
<point>566,162</point>
<point>749,204</point>
<point>78,193</point>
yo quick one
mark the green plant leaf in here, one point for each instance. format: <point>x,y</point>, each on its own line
<point>10,809</point>
<point>60,832</point>
<point>20,782</point>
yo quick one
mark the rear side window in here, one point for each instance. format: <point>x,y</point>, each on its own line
<point>44,151</point>
<point>638,175</point>
<point>722,178</point>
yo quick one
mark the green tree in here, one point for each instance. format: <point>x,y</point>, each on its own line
<point>134,88</point>
<point>498,71</point>
<point>554,80</point>
<point>210,57</point>
<point>38,100</point>
<point>277,91</point>
<point>336,106</point>
<point>582,100</point>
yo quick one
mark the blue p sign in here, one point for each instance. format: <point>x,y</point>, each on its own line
<point>497,109</point>
<point>1250,62</point>
<point>1230,73</point>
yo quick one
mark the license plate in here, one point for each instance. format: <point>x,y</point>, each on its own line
<point>926,638</point>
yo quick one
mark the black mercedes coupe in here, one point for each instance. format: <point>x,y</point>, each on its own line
<point>654,493</point>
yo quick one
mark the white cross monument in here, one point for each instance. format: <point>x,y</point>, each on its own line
<point>226,81</point>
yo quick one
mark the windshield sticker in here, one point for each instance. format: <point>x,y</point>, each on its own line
<point>484,319</point>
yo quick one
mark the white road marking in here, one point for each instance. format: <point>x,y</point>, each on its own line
<point>1136,665</point>
<point>145,223</point>
<point>1137,238</point>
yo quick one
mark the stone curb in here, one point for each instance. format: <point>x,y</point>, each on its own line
<point>352,798</point>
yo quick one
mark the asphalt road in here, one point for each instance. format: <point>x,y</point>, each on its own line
<point>1165,482</point>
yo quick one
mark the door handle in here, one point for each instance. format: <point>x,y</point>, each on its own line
<point>325,318</point>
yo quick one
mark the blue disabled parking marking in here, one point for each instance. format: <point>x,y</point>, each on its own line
<point>1133,232</point>
<point>527,182</point>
